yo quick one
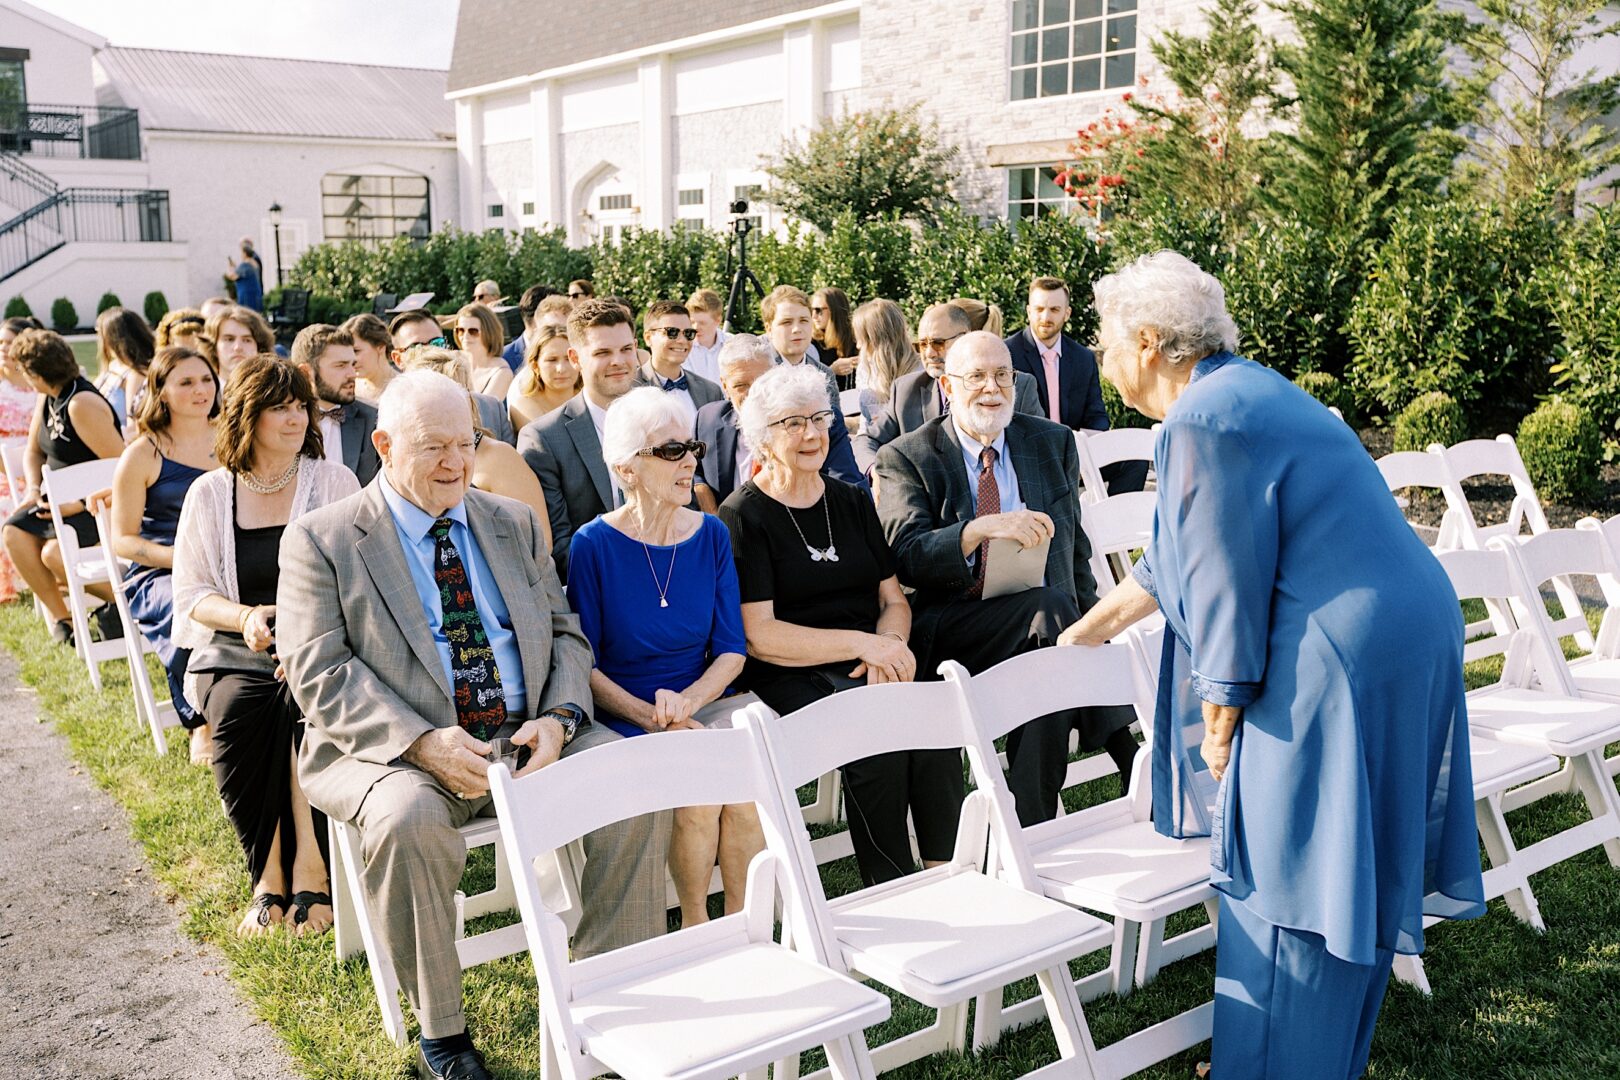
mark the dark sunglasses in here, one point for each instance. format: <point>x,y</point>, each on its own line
<point>470,331</point>
<point>576,296</point>
<point>434,343</point>
<point>673,332</point>
<point>675,450</point>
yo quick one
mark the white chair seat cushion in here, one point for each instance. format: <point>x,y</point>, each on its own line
<point>746,1000</point>
<point>947,931</point>
<point>1557,725</point>
<point>1500,765</point>
<point>1132,862</point>
<point>1600,677</point>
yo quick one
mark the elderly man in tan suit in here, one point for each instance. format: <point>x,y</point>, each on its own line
<point>419,619</point>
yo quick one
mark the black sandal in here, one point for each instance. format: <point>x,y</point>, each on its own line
<point>262,904</point>
<point>303,901</point>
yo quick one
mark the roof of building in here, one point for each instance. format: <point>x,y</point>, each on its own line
<point>507,39</point>
<point>261,95</point>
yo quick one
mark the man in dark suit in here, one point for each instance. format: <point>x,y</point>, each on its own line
<point>728,463</point>
<point>326,355</point>
<point>668,327</point>
<point>564,447</point>
<point>918,398</point>
<point>985,473</point>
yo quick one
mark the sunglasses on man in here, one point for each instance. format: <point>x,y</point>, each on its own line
<point>673,332</point>
<point>674,450</point>
<point>439,342</point>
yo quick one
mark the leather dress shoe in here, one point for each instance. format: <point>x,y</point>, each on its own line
<point>467,1065</point>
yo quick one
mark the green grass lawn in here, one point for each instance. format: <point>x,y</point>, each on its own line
<point>1507,1003</point>
<point>85,353</point>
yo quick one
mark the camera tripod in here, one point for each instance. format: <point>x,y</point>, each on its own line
<point>744,277</point>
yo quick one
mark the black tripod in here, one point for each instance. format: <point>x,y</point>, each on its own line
<point>744,277</point>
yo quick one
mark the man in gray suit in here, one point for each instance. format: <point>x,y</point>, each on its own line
<point>668,328</point>
<point>919,397</point>
<point>418,619</point>
<point>326,353</point>
<point>416,328</point>
<point>564,447</point>
<point>985,473</point>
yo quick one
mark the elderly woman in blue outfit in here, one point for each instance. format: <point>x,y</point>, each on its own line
<point>1313,669</point>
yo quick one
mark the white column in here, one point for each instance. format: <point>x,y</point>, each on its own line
<point>470,161</point>
<point>804,78</point>
<point>550,206</point>
<point>655,192</point>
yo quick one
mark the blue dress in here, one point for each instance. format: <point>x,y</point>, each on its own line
<point>1293,588</point>
<point>641,646</point>
<point>151,588</point>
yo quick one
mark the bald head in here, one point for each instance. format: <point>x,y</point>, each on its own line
<point>425,439</point>
<point>977,349</point>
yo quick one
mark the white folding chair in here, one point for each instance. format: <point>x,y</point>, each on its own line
<point>945,935</point>
<point>82,566</point>
<point>849,403</point>
<point>1416,469</point>
<point>718,1000</point>
<point>1597,675</point>
<point>1100,449</point>
<point>16,471</point>
<point>1116,526</point>
<point>156,715</point>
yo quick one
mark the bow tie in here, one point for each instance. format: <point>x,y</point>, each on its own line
<point>677,384</point>
<point>335,414</point>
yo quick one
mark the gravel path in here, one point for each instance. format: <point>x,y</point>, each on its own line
<point>98,980</point>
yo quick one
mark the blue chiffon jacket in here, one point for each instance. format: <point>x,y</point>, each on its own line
<point>1293,587</point>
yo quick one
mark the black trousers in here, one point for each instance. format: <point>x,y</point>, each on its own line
<point>880,791</point>
<point>980,634</point>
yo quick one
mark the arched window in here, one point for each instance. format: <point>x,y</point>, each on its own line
<point>372,207</point>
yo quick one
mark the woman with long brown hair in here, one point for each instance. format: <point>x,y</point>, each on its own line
<point>547,380</point>
<point>372,367</point>
<point>832,333</point>
<point>886,353</point>
<point>124,348</point>
<point>478,333</point>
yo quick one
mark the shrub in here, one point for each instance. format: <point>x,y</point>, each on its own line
<point>108,300</point>
<point>1121,415</point>
<point>155,306</point>
<point>647,264</point>
<point>1326,389</point>
<point>1430,418</point>
<point>1581,288</point>
<point>1562,450</point>
<point>1289,288</point>
<point>64,316</point>
<point>17,308</point>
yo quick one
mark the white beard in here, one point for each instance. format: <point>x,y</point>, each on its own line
<point>991,422</point>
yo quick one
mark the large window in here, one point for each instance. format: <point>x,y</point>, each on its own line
<point>1033,191</point>
<point>374,208</point>
<point>1072,46</point>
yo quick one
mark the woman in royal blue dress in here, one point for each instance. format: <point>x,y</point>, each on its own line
<point>655,588</point>
<point>175,446</point>
<point>1313,669</point>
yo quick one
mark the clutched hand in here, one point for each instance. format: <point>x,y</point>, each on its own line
<point>454,758</point>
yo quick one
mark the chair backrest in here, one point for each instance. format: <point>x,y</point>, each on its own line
<point>1117,525</point>
<point>1555,557</point>
<point>1121,444</point>
<point>74,484</point>
<point>1495,457</point>
<point>1044,681</point>
<point>1490,577</point>
<point>1413,468</point>
<point>382,302</point>
<point>294,305</point>
<point>11,457</point>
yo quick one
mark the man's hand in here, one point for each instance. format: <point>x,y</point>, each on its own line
<point>454,758</point>
<point>544,738</point>
<point>670,710</point>
<point>1220,723</point>
<point>1029,528</point>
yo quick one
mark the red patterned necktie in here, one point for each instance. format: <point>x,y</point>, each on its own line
<point>480,702</point>
<point>989,503</point>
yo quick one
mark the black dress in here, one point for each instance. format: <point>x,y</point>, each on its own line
<point>257,724</point>
<point>773,564</point>
<point>60,443</point>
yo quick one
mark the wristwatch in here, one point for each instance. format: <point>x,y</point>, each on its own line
<point>569,719</point>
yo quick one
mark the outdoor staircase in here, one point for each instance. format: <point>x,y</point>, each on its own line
<point>46,216</point>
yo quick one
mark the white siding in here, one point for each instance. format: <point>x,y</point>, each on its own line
<point>725,78</point>
<point>602,101</point>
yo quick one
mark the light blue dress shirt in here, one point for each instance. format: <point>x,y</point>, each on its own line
<point>1006,476</point>
<point>413,525</point>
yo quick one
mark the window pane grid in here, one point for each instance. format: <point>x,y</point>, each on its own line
<point>1071,46</point>
<point>1033,191</point>
<point>374,208</point>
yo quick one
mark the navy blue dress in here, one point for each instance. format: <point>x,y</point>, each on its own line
<point>151,588</point>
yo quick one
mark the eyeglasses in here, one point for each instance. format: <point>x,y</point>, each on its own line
<point>673,332</point>
<point>469,331</point>
<point>794,425</point>
<point>674,450</point>
<point>432,343</point>
<point>978,380</point>
<point>576,296</point>
<point>938,344</point>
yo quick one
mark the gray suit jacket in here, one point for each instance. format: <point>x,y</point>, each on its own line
<point>493,417</point>
<point>913,401</point>
<point>359,421</point>
<point>564,452</point>
<point>360,659</point>
<point>703,391</point>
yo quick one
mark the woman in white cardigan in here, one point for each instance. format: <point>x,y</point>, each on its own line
<point>225,567</point>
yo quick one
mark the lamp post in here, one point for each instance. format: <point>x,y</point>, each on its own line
<point>275,223</point>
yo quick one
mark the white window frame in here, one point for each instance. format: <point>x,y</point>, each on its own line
<point>699,213</point>
<point>1016,64</point>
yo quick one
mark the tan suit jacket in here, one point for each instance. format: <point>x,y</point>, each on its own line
<point>358,653</point>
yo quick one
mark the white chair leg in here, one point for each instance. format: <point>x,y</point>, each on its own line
<point>383,978</point>
<point>1069,1022</point>
<point>1149,951</point>
<point>1409,969</point>
<point>845,1061</point>
<point>987,1018</point>
<point>953,1024</point>
<point>1502,853</point>
<point>345,927</point>
<point>1122,958</point>
<point>1592,779</point>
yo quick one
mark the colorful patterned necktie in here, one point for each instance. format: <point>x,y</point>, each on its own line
<point>989,503</point>
<point>480,703</point>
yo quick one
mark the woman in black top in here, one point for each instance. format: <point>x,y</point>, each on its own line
<point>823,612</point>
<point>73,425</point>
<point>833,333</point>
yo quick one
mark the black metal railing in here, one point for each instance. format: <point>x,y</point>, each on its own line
<point>73,131</point>
<point>87,215</point>
<point>21,185</point>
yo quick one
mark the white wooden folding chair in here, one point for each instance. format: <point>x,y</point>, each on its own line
<point>82,566</point>
<point>718,1000</point>
<point>1407,469</point>
<point>1100,449</point>
<point>16,472</point>
<point>153,713</point>
<point>944,935</point>
<point>1597,674</point>
<point>1116,526</point>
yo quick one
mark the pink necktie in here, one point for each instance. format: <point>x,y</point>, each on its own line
<point>1049,360</point>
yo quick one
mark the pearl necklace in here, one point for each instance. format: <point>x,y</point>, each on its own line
<point>269,487</point>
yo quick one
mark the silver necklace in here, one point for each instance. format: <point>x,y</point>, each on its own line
<point>826,554</point>
<point>269,487</point>
<point>663,590</point>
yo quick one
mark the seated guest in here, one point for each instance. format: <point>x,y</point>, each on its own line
<point>497,468</point>
<point>372,366</point>
<point>419,329</point>
<point>666,643</point>
<point>548,378</point>
<point>236,333</point>
<point>823,612</point>
<point>708,312</point>
<point>326,354</point>
<point>729,462</point>
<point>785,311</point>
<point>981,316</point>
<point>669,338</point>
<point>580,289</point>
<point>529,308</point>
<point>564,447</point>
<point>213,306</point>
<point>487,293</point>
<point>225,612</point>
<point>479,334</point>
<point>986,473</point>
<point>124,348</point>
<point>181,326</point>
<point>886,354</point>
<point>175,446</point>
<point>405,678</point>
<point>72,424</point>
<point>833,333</point>
<point>918,397</point>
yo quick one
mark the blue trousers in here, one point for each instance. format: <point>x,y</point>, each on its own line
<point>1285,1007</point>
